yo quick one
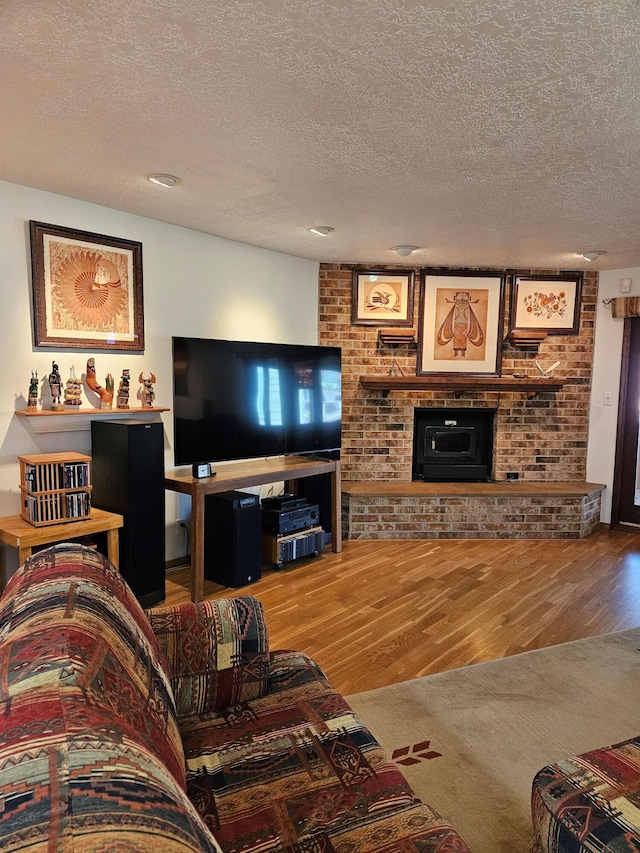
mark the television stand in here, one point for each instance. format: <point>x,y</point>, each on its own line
<point>239,475</point>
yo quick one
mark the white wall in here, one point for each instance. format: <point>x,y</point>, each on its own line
<point>194,285</point>
<point>606,381</point>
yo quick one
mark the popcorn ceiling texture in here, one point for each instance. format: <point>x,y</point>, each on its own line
<point>486,132</point>
<point>544,438</point>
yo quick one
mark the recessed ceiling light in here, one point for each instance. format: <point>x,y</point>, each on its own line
<point>321,230</point>
<point>164,180</point>
<point>591,256</point>
<point>404,251</point>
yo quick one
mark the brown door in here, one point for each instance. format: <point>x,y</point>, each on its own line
<point>625,509</point>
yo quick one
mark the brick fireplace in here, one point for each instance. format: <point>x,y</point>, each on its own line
<point>541,439</point>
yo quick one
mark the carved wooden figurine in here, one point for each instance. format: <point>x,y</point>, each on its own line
<point>123,390</point>
<point>32,402</point>
<point>73,390</point>
<point>105,394</point>
<point>55,384</point>
<point>146,393</point>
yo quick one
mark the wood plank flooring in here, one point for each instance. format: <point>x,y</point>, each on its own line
<point>388,611</point>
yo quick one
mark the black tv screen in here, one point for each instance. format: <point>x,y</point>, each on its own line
<point>243,400</point>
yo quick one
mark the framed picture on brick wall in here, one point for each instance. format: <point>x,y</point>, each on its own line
<point>546,303</point>
<point>382,298</point>
<point>460,322</point>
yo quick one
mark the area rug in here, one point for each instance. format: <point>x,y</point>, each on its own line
<point>470,740</point>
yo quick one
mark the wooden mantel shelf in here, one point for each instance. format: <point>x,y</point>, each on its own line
<point>459,384</point>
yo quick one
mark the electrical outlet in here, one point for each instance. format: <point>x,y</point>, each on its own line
<point>181,528</point>
<point>512,475</point>
<point>607,399</point>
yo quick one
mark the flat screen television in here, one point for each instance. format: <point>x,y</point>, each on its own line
<point>237,400</point>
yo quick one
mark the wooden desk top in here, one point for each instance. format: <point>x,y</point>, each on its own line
<point>252,473</point>
<point>17,532</point>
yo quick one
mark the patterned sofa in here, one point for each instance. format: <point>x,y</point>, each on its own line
<point>179,731</point>
<point>589,803</point>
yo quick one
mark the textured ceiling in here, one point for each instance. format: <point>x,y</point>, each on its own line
<point>486,132</point>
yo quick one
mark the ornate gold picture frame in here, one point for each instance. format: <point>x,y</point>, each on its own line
<point>87,290</point>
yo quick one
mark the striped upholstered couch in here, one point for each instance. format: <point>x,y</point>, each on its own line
<point>179,731</point>
<point>589,803</point>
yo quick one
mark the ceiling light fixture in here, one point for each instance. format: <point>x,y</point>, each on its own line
<point>168,181</point>
<point>321,230</point>
<point>591,256</point>
<point>404,251</point>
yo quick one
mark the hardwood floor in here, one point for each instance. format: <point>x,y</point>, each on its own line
<point>388,611</point>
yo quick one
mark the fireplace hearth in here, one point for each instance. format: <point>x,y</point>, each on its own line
<point>452,445</point>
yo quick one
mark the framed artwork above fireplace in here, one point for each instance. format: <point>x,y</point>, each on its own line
<point>546,303</point>
<point>460,322</point>
<point>382,298</point>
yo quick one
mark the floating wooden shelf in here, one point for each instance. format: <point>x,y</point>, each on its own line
<point>527,340</point>
<point>459,384</point>
<point>75,420</point>
<point>85,410</point>
<point>395,336</point>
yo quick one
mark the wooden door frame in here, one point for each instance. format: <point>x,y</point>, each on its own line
<point>616,524</point>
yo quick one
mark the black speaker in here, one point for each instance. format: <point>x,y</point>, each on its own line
<point>232,538</point>
<point>128,478</point>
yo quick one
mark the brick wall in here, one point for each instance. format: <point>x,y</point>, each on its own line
<point>544,438</point>
<point>470,516</point>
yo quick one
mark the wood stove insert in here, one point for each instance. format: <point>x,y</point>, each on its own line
<point>453,444</point>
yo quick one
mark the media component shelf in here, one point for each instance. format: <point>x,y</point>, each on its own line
<point>290,529</point>
<point>240,475</point>
<point>283,549</point>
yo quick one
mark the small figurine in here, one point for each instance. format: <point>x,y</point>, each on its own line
<point>547,372</point>
<point>105,394</point>
<point>33,390</point>
<point>73,390</point>
<point>109,385</point>
<point>123,390</point>
<point>146,393</point>
<point>55,384</point>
